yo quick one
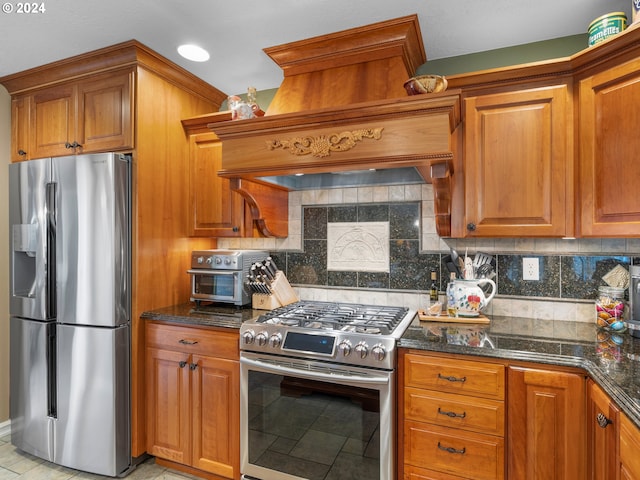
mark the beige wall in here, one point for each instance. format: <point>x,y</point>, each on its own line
<point>5,143</point>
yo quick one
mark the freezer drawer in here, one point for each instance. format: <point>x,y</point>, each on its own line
<point>92,431</point>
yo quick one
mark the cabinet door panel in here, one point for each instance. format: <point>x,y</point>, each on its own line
<point>216,416</point>
<point>106,113</point>
<point>609,145</point>
<point>20,148</point>
<point>168,405</point>
<point>217,210</point>
<point>602,437</point>
<point>546,418</point>
<point>53,121</point>
<point>518,162</point>
<point>629,441</point>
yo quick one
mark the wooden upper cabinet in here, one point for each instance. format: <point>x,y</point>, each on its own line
<point>20,148</point>
<point>106,110</point>
<point>609,144</point>
<point>52,121</point>
<point>518,164</point>
<point>89,116</point>
<point>217,210</point>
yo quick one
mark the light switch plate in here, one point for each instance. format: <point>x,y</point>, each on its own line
<point>531,268</point>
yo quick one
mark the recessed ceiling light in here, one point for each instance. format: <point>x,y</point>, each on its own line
<point>193,52</point>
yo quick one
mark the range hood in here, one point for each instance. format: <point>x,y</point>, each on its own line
<point>342,118</point>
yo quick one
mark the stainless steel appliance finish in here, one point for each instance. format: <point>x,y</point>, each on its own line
<point>319,378</point>
<point>70,287</point>
<point>634,301</point>
<point>354,334</point>
<point>221,275</point>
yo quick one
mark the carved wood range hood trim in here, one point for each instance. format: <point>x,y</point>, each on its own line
<point>342,107</point>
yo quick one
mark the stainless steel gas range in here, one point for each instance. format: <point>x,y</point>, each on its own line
<point>317,391</point>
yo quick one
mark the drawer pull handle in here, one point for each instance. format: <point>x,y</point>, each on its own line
<point>187,342</point>
<point>452,379</point>
<point>451,449</point>
<point>602,420</point>
<point>182,364</point>
<point>452,414</point>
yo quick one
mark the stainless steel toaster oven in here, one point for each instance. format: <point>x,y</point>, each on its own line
<point>220,275</point>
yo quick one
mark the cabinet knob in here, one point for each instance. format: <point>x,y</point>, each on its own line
<point>22,153</point>
<point>193,366</point>
<point>182,364</point>
<point>471,226</point>
<point>236,229</point>
<point>72,145</point>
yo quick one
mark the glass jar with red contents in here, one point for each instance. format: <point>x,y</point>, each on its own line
<point>610,308</point>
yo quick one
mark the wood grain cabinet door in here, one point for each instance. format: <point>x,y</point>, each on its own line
<point>602,434</point>
<point>217,211</point>
<point>216,416</point>
<point>20,148</point>
<point>608,151</point>
<point>53,113</point>
<point>518,164</point>
<point>168,405</point>
<point>106,109</point>
<point>546,425</point>
<point>629,441</point>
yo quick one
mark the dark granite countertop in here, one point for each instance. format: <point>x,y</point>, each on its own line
<point>611,359</point>
<point>223,316</point>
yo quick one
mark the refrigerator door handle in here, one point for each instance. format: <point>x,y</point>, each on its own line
<point>52,392</point>
<point>50,268</point>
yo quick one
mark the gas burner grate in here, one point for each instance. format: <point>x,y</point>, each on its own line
<point>349,317</point>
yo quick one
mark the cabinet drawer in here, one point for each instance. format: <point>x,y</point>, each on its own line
<point>415,473</point>
<point>217,343</point>
<point>629,441</point>
<point>456,411</point>
<point>454,375</point>
<point>453,451</point>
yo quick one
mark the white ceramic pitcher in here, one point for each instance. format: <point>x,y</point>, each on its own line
<point>465,298</point>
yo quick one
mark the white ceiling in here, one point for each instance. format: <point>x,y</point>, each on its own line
<point>235,32</point>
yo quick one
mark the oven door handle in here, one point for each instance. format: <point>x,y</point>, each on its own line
<point>211,271</point>
<point>376,380</point>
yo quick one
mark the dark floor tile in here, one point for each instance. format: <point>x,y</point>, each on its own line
<point>352,467</point>
<point>319,447</point>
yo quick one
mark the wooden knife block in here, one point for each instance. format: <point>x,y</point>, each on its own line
<point>281,294</point>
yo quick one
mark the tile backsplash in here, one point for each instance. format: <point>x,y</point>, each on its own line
<point>570,269</point>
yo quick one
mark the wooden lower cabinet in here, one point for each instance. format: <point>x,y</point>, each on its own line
<point>546,424</point>
<point>452,418</point>
<point>193,398</point>
<point>602,434</point>
<point>629,444</point>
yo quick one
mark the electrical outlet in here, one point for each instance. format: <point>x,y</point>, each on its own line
<point>531,268</point>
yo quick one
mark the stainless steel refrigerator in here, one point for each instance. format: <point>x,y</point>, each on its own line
<point>70,303</point>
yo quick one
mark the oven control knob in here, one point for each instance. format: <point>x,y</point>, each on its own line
<point>275,340</point>
<point>261,339</point>
<point>345,348</point>
<point>378,352</point>
<point>209,260</point>
<point>200,260</point>
<point>218,260</point>
<point>362,349</point>
<point>248,337</point>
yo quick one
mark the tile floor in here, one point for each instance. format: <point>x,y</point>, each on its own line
<point>17,465</point>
